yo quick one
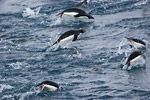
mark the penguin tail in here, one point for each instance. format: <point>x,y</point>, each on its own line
<point>127,38</point>
<point>60,14</point>
<point>54,43</point>
<point>45,49</point>
<point>39,85</point>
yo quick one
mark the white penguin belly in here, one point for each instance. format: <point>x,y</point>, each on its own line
<point>83,17</point>
<point>70,13</point>
<point>138,45</point>
<point>51,88</point>
<point>67,38</point>
<point>138,58</point>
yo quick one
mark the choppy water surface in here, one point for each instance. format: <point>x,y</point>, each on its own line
<point>89,68</point>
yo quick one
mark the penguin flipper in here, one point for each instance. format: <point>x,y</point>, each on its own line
<point>77,15</point>
<point>75,37</point>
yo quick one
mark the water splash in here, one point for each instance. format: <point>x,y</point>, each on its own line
<point>143,2</point>
<point>58,21</point>
<point>123,47</point>
<point>18,65</point>
<point>31,13</point>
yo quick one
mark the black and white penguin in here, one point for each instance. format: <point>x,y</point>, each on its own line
<point>76,12</point>
<point>52,86</point>
<point>137,43</point>
<point>133,57</point>
<point>81,3</point>
<point>69,35</point>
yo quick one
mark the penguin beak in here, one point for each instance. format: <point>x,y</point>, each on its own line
<point>91,17</point>
<point>129,39</point>
<point>41,87</point>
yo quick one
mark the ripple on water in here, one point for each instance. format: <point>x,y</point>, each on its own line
<point>86,69</point>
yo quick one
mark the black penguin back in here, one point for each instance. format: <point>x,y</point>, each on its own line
<point>132,56</point>
<point>49,83</point>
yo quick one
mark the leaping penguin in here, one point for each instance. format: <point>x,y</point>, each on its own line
<point>137,43</point>
<point>134,56</point>
<point>72,34</point>
<point>52,86</point>
<point>76,12</point>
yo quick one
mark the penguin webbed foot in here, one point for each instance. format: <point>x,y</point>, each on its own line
<point>124,67</point>
<point>131,46</point>
<point>130,67</point>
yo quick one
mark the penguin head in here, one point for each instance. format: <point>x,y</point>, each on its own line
<point>129,39</point>
<point>82,31</point>
<point>90,17</point>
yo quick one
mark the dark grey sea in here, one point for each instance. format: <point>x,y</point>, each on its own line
<point>87,69</point>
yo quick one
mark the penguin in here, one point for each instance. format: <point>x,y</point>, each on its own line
<point>71,34</point>
<point>81,3</point>
<point>75,12</point>
<point>52,86</point>
<point>134,56</point>
<point>137,43</point>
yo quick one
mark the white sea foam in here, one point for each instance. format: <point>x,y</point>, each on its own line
<point>24,95</point>
<point>31,13</point>
<point>123,47</point>
<point>142,2</point>
<point>18,65</point>
<point>5,87</point>
<point>7,97</point>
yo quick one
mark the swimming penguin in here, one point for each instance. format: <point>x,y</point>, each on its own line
<point>76,12</point>
<point>72,34</point>
<point>81,3</point>
<point>52,86</point>
<point>137,43</point>
<point>134,56</point>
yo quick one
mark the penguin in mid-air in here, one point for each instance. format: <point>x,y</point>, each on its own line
<point>133,57</point>
<point>50,85</point>
<point>137,43</point>
<point>72,34</point>
<point>76,12</point>
<point>81,3</point>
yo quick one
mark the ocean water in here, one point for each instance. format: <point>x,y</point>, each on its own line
<point>87,69</point>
